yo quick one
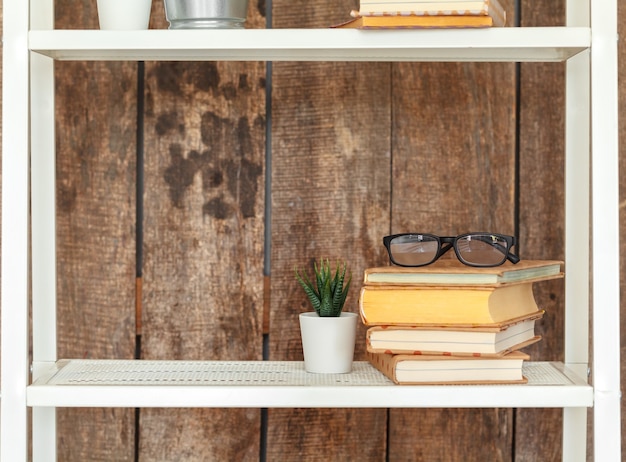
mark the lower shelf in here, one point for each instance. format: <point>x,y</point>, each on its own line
<point>140,383</point>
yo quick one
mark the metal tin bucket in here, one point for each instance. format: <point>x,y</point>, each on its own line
<point>206,14</point>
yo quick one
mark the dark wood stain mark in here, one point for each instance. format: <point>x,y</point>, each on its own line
<point>172,77</point>
<point>179,175</point>
<point>237,172</point>
<point>242,184</point>
<point>261,8</point>
<point>206,76</point>
<point>243,82</point>
<point>169,122</point>
<point>212,178</point>
<point>229,91</point>
<point>217,208</point>
<point>167,77</point>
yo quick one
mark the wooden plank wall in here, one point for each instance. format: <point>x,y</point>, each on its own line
<point>358,150</point>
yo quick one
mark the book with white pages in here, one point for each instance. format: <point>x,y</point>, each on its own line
<point>449,340</point>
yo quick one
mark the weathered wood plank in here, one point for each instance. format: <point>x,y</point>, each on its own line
<point>203,242</point>
<point>622,182</point>
<point>542,218</point>
<point>96,242</point>
<point>330,195</point>
<point>453,162</point>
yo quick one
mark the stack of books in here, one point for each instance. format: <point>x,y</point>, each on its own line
<point>398,14</point>
<point>452,323</point>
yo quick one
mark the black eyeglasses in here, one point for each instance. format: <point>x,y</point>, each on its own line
<point>472,249</point>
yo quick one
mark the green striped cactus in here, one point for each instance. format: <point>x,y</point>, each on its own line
<point>329,292</point>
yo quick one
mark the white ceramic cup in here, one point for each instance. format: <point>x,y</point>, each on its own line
<point>124,14</point>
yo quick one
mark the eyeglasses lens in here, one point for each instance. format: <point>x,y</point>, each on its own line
<point>413,250</point>
<point>482,249</point>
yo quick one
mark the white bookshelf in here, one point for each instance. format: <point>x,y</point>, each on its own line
<point>497,44</point>
<point>588,46</point>
<point>113,383</point>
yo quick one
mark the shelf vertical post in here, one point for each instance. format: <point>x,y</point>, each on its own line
<point>605,228</point>
<point>577,217</point>
<point>43,226</point>
<point>15,206</point>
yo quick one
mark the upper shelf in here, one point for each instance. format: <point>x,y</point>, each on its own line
<point>510,44</point>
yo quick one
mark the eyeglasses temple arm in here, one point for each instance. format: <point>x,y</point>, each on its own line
<point>513,258</point>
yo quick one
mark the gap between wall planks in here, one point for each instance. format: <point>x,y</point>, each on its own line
<point>622,182</point>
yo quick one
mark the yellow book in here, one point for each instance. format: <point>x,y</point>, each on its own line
<point>418,22</point>
<point>410,305</point>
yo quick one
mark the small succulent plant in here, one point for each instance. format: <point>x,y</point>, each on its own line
<point>329,292</point>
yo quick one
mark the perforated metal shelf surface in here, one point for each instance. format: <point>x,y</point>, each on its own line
<point>140,383</point>
<point>111,372</point>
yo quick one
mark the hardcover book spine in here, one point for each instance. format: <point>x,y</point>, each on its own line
<point>487,8</point>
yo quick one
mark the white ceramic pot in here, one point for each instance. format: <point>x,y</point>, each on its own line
<point>124,14</point>
<point>328,343</point>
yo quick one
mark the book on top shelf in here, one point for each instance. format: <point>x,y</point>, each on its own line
<point>431,370</point>
<point>470,306</point>
<point>419,22</point>
<point>496,340</point>
<point>453,272</point>
<point>433,7</point>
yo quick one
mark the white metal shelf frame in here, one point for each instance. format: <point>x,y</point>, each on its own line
<point>605,225</point>
<point>597,96</point>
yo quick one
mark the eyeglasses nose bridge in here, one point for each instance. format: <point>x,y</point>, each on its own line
<point>444,246</point>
